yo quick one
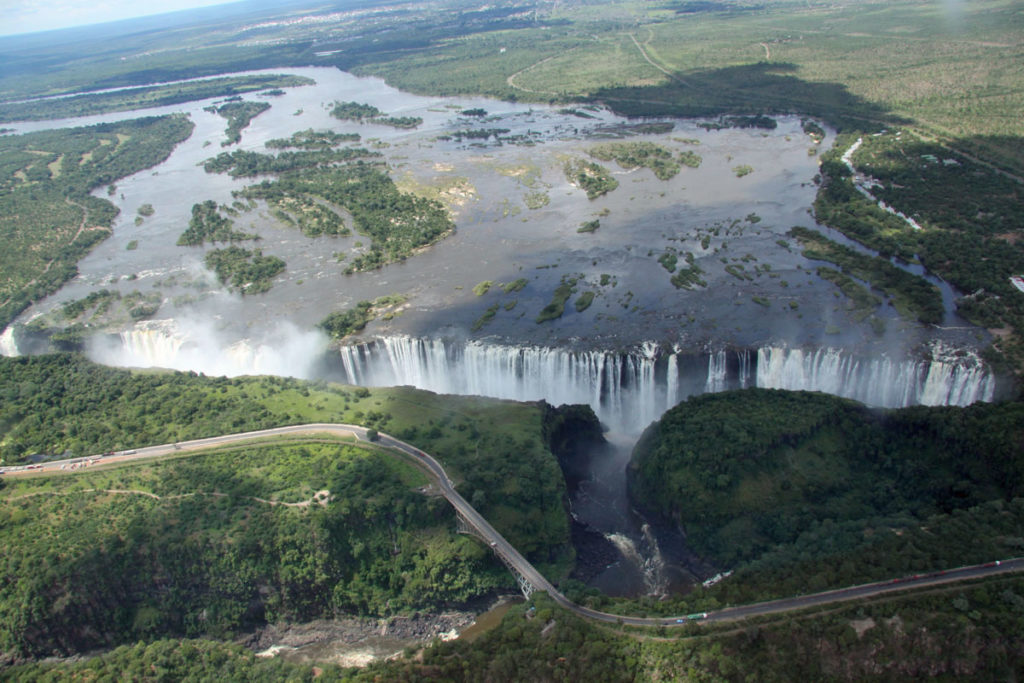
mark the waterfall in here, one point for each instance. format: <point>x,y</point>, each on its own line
<point>744,359</point>
<point>152,345</point>
<point>717,372</point>
<point>8,344</point>
<point>629,390</point>
<point>168,344</point>
<point>882,382</point>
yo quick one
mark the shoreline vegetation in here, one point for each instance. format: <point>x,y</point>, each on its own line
<point>48,216</point>
<point>90,104</point>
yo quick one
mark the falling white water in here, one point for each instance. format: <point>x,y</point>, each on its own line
<point>196,347</point>
<point>882,382</point>
<point>717,372</point>
<point>8,345</point>
<point>743,356</point>
<point>627,389</point>
<point>671,380</point>
<point>624,388</point>
<point>630,390</point>
<point>647,559</point>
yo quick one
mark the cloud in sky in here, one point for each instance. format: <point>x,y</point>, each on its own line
<point>27,16</point>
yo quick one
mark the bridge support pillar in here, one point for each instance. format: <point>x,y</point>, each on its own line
<point>464,526</point>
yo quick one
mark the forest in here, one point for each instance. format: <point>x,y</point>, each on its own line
<point>398,223</point>
<point>913,296</point>
<point>969,631</point>
<point>377,546</point>
<point>800,491</point>
<point>310,139</point>
<point>64,405</point>
<point>594,179</point>
<point>48,218</point>
<point>630,155</point>
<point>243,163</point>
<point>197,546</point>
<point>341,324</point>
<point>366,113</point>
<point>969,214</point>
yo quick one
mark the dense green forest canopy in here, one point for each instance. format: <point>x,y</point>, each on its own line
<point>48,218</point>
<point>801,491</point>
<point>64,405</point>
<point>971,631</point>
<point>227,541</point>
<point>744,471</point>
<point>970,217</point>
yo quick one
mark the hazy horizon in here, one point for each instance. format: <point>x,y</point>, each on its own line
<point>27,16</point>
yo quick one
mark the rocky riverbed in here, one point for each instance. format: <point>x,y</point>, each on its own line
<point>355,641</point>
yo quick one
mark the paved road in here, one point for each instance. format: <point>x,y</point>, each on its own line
<point>500,545</point>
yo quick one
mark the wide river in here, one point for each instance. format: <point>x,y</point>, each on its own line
<point>769,294</point>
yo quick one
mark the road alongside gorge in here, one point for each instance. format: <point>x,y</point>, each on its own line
<point>512,556</point>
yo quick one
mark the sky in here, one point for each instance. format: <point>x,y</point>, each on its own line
<point>27,16</point>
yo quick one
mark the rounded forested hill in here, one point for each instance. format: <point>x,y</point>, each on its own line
<point>742,472</point>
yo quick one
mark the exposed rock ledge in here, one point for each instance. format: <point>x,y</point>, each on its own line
<point>354,641</point>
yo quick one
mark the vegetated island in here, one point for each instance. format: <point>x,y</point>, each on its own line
<point>246,271</point>
<point>207,225</point>
<point>310,139</point>
<point>630,155</point>
<point>367,113</point>
<point>398,223</point>
<point>48,216</point>
<point>594,179</point>
<point>239,115</point>
<point>143,98</point>
<point>913,296</point>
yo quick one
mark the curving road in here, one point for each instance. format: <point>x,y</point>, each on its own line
<point>500,545</point>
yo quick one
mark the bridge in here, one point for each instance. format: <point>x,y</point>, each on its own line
<point>464,526</point>
<point>469,521</point>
